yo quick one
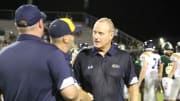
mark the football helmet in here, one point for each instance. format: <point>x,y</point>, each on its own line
<point>178,47</point>
<point>83,45</point>
<point>167,46</point>
<point>149,45</point>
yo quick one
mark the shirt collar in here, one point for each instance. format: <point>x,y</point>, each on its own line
<point>28,37</point>
<point>67,56</point>
<point>110,52</point>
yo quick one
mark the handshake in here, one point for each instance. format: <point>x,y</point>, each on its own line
<point>85,96</point>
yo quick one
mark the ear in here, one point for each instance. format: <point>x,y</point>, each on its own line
<point>41,24</point>
<point>65,39</point>
<point>111,35</point>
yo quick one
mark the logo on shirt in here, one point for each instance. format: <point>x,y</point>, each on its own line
<point>90,67</point>
<point>115,66</point>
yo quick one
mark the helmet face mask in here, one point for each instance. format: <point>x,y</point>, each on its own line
<point>168,52</point>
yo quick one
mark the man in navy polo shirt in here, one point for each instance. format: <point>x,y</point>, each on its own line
<point>31,69</point>
<point>62,34</point>
<point>104,69</point>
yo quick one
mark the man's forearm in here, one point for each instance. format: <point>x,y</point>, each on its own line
<point>134,92</point>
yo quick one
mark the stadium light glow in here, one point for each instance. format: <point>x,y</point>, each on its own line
<point>161,41</point>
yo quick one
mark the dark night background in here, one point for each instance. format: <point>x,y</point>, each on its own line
<point>142,19</point>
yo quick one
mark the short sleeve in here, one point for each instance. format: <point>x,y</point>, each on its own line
<point>60,70</point>
<point>143,57</point>
<point>131,77</point>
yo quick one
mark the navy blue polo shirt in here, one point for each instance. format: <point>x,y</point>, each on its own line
<point>32,70</point>
<point>105,76</point>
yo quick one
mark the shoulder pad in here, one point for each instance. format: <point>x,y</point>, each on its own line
<point>176,55</point>
<point>146,54</point>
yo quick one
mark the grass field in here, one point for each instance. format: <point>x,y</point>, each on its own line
<point>159,96</point>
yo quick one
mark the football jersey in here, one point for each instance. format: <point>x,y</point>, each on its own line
<point>153,61</point>
<point>167,65</point>
<point>176,57</point>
